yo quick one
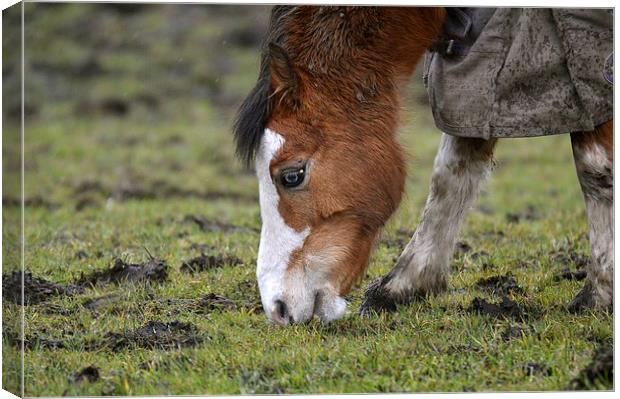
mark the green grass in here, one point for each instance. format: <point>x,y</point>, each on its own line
<point>433,345</point>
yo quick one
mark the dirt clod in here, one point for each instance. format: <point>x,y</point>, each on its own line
<point>600,369</point>
<point>532,369</point>
<point>212,302</point>
<point>479,254</point>
<point>36,289</point>
<point>95,304</point>
<point>462,247</point>
<point>394,242</point>
<point>505,309</point>
<point>154,270</point>
<point>584,299</point>
<point>54,309</point>
<point>155,335</point>
<point>31,342</point>
<point>512,333</point>
<point>529,213</point>
<point>137,190</point>
<point>207,262</point>
<point>500,285</point>
<point>209,225</point>
<point>29,202</point>
<point>205,304</point>
<point>43,343</point>
<point>567,255</point>
<point>84,202</point>
<point>90,374</point>
<point>567,274</point>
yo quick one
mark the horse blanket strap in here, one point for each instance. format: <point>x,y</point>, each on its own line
<point>521,72</point>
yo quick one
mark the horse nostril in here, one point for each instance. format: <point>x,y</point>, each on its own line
<point>317,302</point>
<point>281,314</point>
<point>281,309</point>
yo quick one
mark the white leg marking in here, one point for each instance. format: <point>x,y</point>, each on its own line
<point>278,240</point>
<point>459,169</point>
<point>595,172</point>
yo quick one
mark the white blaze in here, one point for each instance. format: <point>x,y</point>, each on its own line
<point>278,240</point>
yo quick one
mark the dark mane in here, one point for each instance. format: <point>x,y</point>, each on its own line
<point>256,108</point>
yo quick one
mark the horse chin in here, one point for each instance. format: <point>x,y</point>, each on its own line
<point>329,307</point>
<point>326,306</point>
<point>306,297</point>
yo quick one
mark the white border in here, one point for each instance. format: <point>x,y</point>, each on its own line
<point>523,3</point>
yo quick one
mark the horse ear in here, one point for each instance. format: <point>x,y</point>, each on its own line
<point>284,78</point>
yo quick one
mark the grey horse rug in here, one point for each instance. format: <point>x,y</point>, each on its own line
<point>522,72</point>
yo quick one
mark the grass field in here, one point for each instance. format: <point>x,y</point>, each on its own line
<point>131,163</point>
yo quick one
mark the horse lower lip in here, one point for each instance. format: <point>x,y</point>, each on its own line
<point>281,313</point>
<point>317,302</point>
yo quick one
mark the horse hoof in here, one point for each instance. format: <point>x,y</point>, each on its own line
<point>586,299</point>
<point>583,301</point>
<point>377,299</point>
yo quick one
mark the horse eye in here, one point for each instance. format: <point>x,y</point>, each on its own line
<point>290,178</point>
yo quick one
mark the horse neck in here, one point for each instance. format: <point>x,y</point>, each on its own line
<point>409,32</point>
<point>365,55</point>
<point>394,38</point>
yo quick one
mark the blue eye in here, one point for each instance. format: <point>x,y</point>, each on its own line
<point>290,178</point>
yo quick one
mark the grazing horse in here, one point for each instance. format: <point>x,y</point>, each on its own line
<point>321,125</point>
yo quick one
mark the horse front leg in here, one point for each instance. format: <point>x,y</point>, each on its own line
<point>423,267</point>
<point>594,161</point>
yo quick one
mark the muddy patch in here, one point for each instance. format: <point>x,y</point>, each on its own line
<point>600,370</point>
<point>479,255</point>
<point>500,285</point>
<point>537,369</point>
<point>512,333</point>
<point>205,304</point>
<point>81,254</point>
<point>567,255</point>
<point>210,225</point>
<point>43,343</point>
<point>155,335</point>
<point>213,302</point>
<point>490,234</point>
<point>30,202</point>
<point>394,242</point>
<point>568,274</point>
<point>399,240</point>
<point>32,342</point>
<point>99,303</point>
<point>56,310</point>
<point>484,209</point>
<point>87,202</point>
<point>137,190</point>
<point>36,289</point>
<point>529,214</point>
<point>506,308</point>
<point>584,300</point>
<point>154,270</point>
<point>488,265</point>
<point>87,374</point>
<point>462,248</point>
<point>207,262</point>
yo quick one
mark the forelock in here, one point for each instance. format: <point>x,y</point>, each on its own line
<point>255,110</point>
